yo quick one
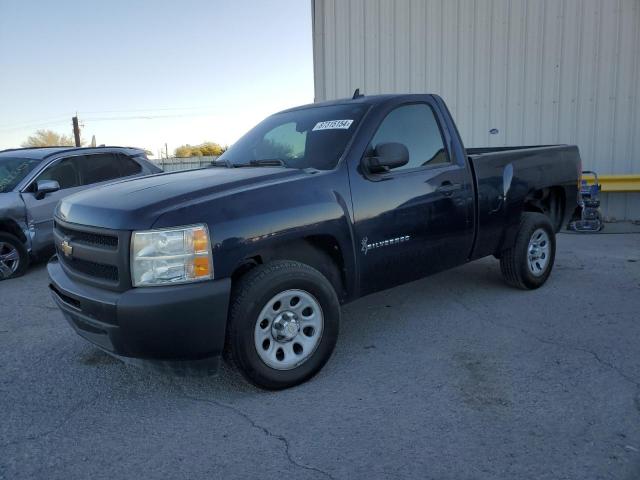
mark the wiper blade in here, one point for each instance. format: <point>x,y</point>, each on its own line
<point>268,162</point>
<point>225,162</point>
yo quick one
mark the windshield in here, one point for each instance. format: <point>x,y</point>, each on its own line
<point>13,171</point>
<point>313,137</point>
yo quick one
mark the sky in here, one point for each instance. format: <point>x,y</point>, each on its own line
<point>144,73</point>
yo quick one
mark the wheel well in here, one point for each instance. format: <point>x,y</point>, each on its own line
<point>550,201</point>
<point>12,227</point>
<point>321,252</point>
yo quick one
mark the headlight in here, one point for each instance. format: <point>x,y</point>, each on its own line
<point>168,256</point>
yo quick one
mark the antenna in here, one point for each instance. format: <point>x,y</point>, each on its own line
<point>356,94</point>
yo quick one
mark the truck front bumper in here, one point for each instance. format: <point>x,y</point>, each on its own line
<point>180,328</point>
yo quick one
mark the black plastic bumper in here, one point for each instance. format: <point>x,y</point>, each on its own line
<point>174,327</point>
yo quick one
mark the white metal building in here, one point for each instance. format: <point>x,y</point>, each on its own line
<point>538,71</point>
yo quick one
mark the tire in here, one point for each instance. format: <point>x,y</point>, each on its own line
<point>14,258</point>
<point>528,264</point>
<point>296,342</point>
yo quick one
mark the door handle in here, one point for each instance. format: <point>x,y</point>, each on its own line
<point>447,188</point>
<point>500,199</point>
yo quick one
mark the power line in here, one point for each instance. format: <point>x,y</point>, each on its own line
<point>28,123</point>
<point>59,119</point>
<point>148,117</point>
<point>65,116</point>
<point>111,118</point>
<point>153,109</point>
<point>35,125</point>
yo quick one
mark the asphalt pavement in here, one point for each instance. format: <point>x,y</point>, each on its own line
<point>456,376</point>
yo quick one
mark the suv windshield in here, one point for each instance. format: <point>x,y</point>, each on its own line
<point>13,170</point>
<point>313,137</point>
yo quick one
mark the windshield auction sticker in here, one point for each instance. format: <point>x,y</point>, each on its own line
<point>333,125</point>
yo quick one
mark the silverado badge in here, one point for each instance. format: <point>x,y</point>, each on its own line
<point>66,248</point>
<point>365,246</point>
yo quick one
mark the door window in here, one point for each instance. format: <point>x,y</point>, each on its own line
<point>99,168</point>
<point>416,127</point>
<point>107,166</point>
<point>128,166</point>
<point>65,172</point>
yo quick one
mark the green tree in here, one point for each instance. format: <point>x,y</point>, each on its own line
<point>211,149</point>
<point>206,149</point>
<point>183,151</point>
<point>48,138</point>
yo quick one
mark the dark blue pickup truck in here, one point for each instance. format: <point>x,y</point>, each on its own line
<point>314,207</point>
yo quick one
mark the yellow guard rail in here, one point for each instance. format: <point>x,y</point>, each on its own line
<point>617,183</point>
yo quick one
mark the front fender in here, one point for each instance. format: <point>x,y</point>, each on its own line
<point>13,217</point>
<point>248,223</point>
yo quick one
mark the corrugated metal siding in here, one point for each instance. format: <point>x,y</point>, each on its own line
<point>540,71</point>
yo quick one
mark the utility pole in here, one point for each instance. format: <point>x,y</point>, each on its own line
<point>166,150</point>
<point>76,130</point>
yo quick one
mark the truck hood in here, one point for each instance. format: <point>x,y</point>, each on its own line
<point>136,204</point>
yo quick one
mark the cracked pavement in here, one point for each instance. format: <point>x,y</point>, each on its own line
<point>456,376</point>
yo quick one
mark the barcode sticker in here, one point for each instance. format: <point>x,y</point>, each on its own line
<point>333,125</point>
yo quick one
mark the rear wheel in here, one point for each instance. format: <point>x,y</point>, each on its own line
<point>14,258</point>
<point>283,324</point>
<point>529,262</point>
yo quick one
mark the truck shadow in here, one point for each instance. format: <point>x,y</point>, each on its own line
<point>374,313</point>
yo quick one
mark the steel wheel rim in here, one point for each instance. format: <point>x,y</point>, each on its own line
<point>538,252</point>
<point>289,329</point>
<point>9,259</point>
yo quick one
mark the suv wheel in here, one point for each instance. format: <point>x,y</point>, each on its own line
<point>283,324</point>
<point>529,262</point>
<point>14,258</point>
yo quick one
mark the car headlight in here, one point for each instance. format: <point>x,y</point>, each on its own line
<point>169,256</point>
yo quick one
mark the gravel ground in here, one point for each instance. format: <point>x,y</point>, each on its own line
<point>456,376</point>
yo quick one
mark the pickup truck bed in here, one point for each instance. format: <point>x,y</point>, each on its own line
<point>524,173</point>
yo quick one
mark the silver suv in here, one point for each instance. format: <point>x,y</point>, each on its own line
<point>33,180</point>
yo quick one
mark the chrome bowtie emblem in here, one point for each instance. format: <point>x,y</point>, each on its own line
<point>66,248</point>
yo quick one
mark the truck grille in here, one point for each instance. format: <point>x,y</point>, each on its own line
<point>92,269</point>
<point>107,241</point>
<point>93,255</point>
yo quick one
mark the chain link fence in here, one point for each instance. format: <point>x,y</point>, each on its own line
<point>174,164</point>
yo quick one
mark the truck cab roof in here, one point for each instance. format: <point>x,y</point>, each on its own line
<point>360,100</point>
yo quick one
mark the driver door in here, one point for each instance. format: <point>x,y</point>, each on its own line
<point>415,219</point>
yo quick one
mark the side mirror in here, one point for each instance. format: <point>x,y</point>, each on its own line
<point>387,156</point>
<point>46,186</point>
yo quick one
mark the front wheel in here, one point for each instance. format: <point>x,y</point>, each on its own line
<point>529,262</point>
<point>283,324</point>
<point>14,258</point>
